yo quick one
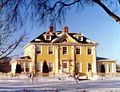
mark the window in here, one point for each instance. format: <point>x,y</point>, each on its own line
<point>89,51</point>
<point>64,65</point>
<point>80,38</point>
<point>27,67</point>
<point>39,49</point>
<point>22,66</point>
<point>78,67</point>
<point>89,67</point>
<point>50,66</point>
<point>39,67</point>
<point>64,50</point>
<point>78,51</point>
<point>50,50</point>
<point>47,37</point>
<point>109,68</point>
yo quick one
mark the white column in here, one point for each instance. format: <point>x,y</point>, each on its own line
<point>34,58</point>
<point>30,66</point>
<point>94,61</point>
<point>73,58</point>
<point>57,59</point>
<point>107,68</point>
<point>13,65</point>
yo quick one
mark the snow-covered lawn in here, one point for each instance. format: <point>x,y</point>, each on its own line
<point>59,84</point>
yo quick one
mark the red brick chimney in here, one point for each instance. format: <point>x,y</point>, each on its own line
<point>65,29</point>
<point>50,29</point>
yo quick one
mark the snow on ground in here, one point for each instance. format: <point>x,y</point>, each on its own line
<point>59,84</point>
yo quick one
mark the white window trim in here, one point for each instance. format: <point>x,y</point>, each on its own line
<point>80,66</point>
<point>46,37</point>
<point>80,50</point>
<point>67,65</point>
<point>53,65</point>
<point>80,38</point>
<point>62,50</point>
<point>48,50</point>
<point>40,66</point>
<point>26,67</point>
<point>91,51</point>
<point>40,48</point>
<point>91,67</point>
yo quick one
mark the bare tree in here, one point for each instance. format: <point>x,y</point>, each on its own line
<point>53,11</point>
<point>8,29</point>
<point>16,12</point>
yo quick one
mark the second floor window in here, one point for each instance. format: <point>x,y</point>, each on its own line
<point>50,50</point>
<point>78,50</point>
<point>89,51</point>
<point>64,50</point>
<point>39,49</point>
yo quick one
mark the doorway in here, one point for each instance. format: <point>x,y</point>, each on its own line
<point>65,66</point>
<point>102,68</point>
<point>18,68</point>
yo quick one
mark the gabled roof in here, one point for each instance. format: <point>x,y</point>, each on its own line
<point>57,36</point>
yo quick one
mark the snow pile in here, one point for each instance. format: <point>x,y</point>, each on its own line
<point>56,78</point>
<point>96,77</point>
<point>22,76</point>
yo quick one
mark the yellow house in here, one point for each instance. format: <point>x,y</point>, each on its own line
<point>58,53</point>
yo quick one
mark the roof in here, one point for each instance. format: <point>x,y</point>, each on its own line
<point>25,58</point>
<point>58,34</point>
<point>103,59</point>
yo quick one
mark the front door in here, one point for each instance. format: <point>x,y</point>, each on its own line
<point>65,66</point>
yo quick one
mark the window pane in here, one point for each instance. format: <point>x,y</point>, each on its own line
<point>27,67</point>
<point>38,49</point>
<point>50,66</point>
<point>77,50</point>
<point>50,50</point>
<point>64,65</point>
<point>64,50</point>
<point>22,66</point>
<point>48,37</point>
<point>89,51</point>
<point>89,66</point>
<point>38,67</point>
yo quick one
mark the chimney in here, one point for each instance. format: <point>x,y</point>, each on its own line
<point>65,29</point>
<point>50,29</point>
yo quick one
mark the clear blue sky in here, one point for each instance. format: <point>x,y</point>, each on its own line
<point>95,24</point>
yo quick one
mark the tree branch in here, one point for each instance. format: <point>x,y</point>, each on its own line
<point>107,10</point>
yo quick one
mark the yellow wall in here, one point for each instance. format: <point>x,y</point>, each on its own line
<point>84,58</point>
<point>28,51</point>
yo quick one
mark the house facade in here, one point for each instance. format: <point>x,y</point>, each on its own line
<point>58,53</point>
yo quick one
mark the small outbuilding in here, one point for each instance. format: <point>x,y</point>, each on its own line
<point>21,65</point>
<point>106,66</point>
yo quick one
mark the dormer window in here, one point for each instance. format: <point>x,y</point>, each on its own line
<point>80,38</point>
<point>47,37</point>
